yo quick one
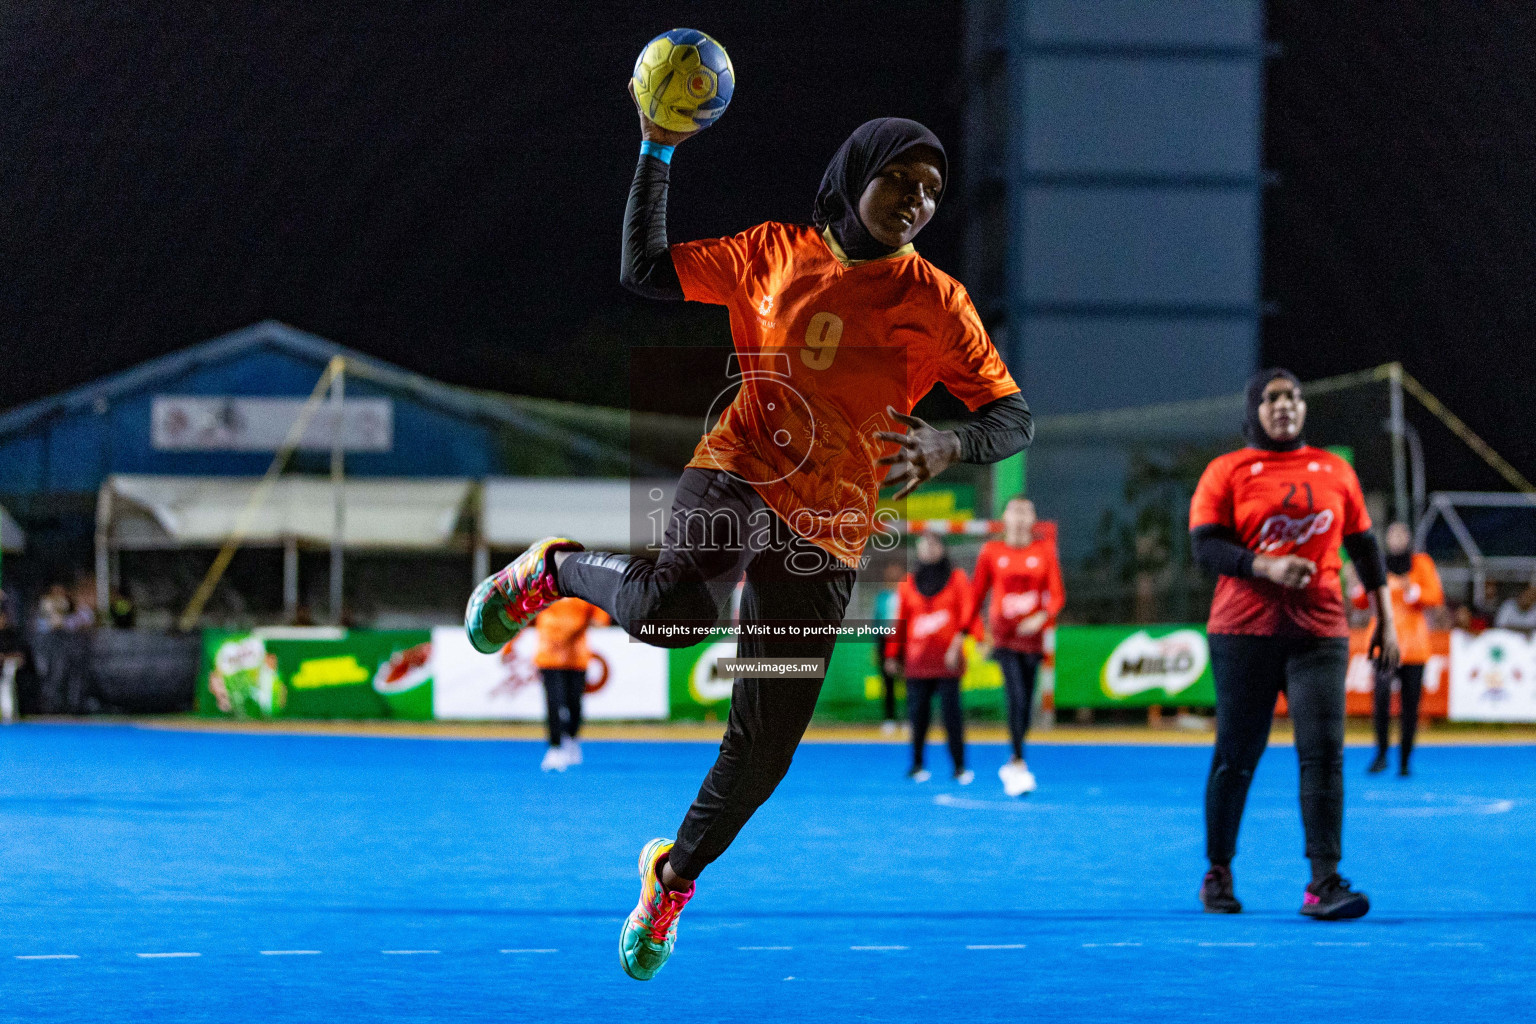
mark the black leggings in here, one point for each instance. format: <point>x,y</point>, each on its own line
<point>1251,672</point>
<point>1411,687</point>
<point>1019,673</point>
<point>888,693</point>
<point>920,706</point>
<point>563,690</point>
<point>719,529</point>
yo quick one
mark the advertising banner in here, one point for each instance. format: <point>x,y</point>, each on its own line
<point>194,423</point>
<point>316,673</point>
<point>625,679</point>
<point>1133,666</point>
<point>1493,677</point>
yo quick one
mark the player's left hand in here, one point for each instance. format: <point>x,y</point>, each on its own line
<point>1384,650</point>
<point>953,655</point>
<point>925,452</point>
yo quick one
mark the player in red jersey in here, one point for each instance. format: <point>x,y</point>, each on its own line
<point>1023,575</point>
<point>1269,520</point>
<point>844,328</point>
<point>934,612</point>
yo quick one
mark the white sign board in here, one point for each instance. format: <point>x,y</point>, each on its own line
<point>187,423</point>
<point>625,680</point>
<point>1493,677</point>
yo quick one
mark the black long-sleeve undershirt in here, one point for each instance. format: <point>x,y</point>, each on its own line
<point>1218,551</point>
<point>1002,427</point>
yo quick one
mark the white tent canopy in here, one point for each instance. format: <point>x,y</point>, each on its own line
<point>161,512</point>
<point>612,514</point>
<point>11,537</point>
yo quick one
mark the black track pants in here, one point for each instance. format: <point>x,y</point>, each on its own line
<point>920,694</point>
<point>1251,672</point>
<point>563,690</point>
<point>1411,687</point>
<point>719,529</point>
<point>1019,673</point>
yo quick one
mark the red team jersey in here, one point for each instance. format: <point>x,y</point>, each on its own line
<point>1023,581</point>
<point>1282,503</point>
<point>822,345</point>
<point>926,626</point>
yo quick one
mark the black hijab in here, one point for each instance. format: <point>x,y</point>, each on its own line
<point>1253,430</point>
<point>931,577</point>
<point>872,145</point>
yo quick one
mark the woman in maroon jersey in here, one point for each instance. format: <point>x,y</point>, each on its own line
<point>1024,577</point>
<point>1269,519</point>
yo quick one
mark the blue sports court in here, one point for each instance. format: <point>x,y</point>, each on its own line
<point>184,876</point>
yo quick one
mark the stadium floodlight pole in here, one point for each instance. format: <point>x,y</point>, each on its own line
<point>338,485</point>
<point>1403,510</point>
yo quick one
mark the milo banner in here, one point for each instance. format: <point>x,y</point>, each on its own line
<point>316,673</point>
<point>851,693</point>
<point>1133,666</point>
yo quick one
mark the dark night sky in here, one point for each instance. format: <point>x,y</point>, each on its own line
<point>441,183</point>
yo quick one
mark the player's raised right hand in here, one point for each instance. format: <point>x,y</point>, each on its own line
<point>650,131</point>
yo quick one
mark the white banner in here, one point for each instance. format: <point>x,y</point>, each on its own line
<point>187,423</point>
<point>625,680</point>
<point>1493,677</point>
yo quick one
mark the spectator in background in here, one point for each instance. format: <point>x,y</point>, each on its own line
<point>12,656</point>
<point>934,611</point>
<point>1518,612</point>
<point>50,649</point>
<point>1414,586</point>
<point>1024,577</point>
<point>562,661</point>
<point>886,613</point>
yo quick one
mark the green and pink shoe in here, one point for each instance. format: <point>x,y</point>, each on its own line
<point>650,931</point>
<point>506,603</point>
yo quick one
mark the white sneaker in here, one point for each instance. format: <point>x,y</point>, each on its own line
<point>554,760</point>
<point>965,778</point>
<point>571,749</point>
<point>921,775</point>
<point>888,727</point>
<point>1017,779</point>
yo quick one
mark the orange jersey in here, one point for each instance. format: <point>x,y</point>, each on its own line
<point>563,633</point>
<point>1282,503</point>
<point>926,626</point>
<point>1411,595</point>
<point>822,346</point>
<point>1023,581</point>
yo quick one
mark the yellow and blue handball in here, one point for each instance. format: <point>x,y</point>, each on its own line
<point>684,80</point>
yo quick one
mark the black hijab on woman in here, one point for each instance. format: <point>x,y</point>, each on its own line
<point>1253,430</point>
<point>872,145</point>
<point>930,577</point>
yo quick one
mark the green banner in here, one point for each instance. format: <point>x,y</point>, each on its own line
<point>316,673</point>
<point>852,691</point>
<point>1133,666</point>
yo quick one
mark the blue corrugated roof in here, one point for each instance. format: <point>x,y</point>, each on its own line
<point>275,335</point>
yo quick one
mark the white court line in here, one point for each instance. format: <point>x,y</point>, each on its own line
<point>1000,945</point>
<point>530,951</point>
<point>750,949</point>
<point>1223,944</point>
<point>1107,945</point>
<point>164,956</point>
<point>1458,945</point>
<point>290,952</point>
<point>878,947</point>
<point>408,952</point>
<point>1341,943</point>
<point>50,956</point>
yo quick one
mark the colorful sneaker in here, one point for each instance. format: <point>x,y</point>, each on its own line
<point>1333,900</point>
<point>1216,894</point>
<point>650,931</point>
<point>505,603</point>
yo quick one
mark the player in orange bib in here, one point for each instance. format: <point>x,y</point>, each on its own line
<point>839,328</point>
<point>562,660</point>
<point>1269,520</point>
<point>1415,586</point>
